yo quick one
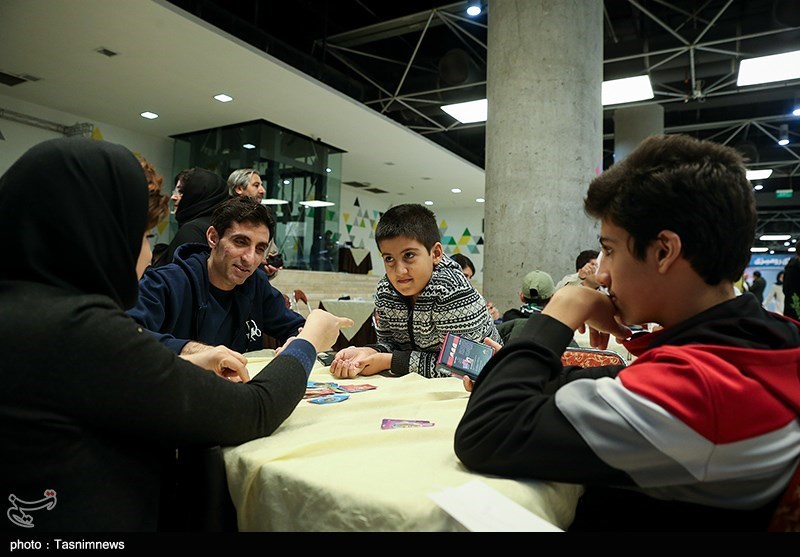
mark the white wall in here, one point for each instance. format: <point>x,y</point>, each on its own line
<point>21,137</point>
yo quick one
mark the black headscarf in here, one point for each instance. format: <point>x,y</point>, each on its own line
<point>202,191</point>
<point>73,213</point>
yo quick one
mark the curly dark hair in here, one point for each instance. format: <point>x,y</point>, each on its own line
<point>157,202</point>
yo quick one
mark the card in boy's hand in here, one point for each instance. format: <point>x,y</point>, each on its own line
<point>461,356</point>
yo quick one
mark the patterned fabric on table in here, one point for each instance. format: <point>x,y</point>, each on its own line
<point>591,357</point>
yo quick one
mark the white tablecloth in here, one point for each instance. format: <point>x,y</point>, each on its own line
<point>332,468</point>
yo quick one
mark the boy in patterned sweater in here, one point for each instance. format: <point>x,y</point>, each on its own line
<point>423,296</point>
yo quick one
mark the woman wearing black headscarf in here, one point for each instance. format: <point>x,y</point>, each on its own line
<point>87,399</point>
<point>202,190</point>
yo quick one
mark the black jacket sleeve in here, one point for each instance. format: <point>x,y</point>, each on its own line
<point>129,383</point>
<point>512,425</point>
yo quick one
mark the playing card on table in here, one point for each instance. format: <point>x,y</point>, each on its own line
<point>388,423</point>
<point>318,392</point>
<point>356,388</point>
<point>328,399</point>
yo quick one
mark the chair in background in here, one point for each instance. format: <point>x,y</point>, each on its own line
<point>591,357</point>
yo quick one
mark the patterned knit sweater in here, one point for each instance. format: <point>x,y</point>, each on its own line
<point>414,332</point>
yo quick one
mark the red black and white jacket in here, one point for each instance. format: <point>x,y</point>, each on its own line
<point>703,425</point>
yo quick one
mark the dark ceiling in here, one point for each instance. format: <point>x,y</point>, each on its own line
<point>406,59</point>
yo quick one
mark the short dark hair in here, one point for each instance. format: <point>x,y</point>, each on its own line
<point>409,220</point>
<point>584,257</point>
<point>242,209</point>
<point>697,189</point>
<point>463,261</point>
<point>756,273</point>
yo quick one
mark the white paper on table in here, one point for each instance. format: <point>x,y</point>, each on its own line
<point>482,509</point>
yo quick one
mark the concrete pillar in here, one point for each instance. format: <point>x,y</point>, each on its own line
<point>634,124</point>
<point>543,139</point>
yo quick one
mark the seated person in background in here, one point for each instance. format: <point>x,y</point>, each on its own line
<point>89,412</point>
<point>469,271</point>
<point>585,269</point>
<point>701,431</point>
<point>423,296</point>
<point>246,181</point>
<point>537,289</point>
<point>212,293</point>
<point>201,192</point>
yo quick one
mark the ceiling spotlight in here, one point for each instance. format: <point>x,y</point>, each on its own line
<point>428,202</point>
<point>474,9</point>
<point>758,187</point>
<point>223,98</point>
<point>287,182</point>
<point>149,115</point>
<point>783,138</point>
<point>792,249</point>
<point>315,203</point>
<point>480,200</point>
<point>327,170</point>
<point>796,111</point>
<point>456,190</point>
<point>249,146</point>
<point>757,250</point>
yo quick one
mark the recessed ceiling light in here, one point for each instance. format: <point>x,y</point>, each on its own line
<point>456,190</point>
<point>758,187</point>
<point>428,202</point>
<point>480,200</point>
<point>327,170</point>
<point>774,237</point>
<point>759,174</point>
<point>249,146</point>
<point>757,250</point>
<point>792,249</point>
<point>315,203</point>
<point>766,69</point>
<point>629,89</point>
<point>287,182</point>
<point>223,98</point>
<point>468,112</point>
<point>149,115</point>
<point>271,201</point>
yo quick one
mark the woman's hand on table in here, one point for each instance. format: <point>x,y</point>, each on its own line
<point>221,360</point>
<point>469,383</point>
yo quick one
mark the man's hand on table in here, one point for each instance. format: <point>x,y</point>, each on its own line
<point>220,359</point>
<point>353,361</point>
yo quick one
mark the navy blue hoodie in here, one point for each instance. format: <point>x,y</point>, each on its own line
<point>174,301</point>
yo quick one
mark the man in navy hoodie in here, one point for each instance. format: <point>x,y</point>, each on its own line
<point>215,294</point>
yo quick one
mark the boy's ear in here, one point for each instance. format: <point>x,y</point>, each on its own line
<point>437,251</point>
<point>668,248</point>
<point>212,237</point>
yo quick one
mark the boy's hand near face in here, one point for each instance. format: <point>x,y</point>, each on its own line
<point>580,307</point>
<point>353,361</point>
